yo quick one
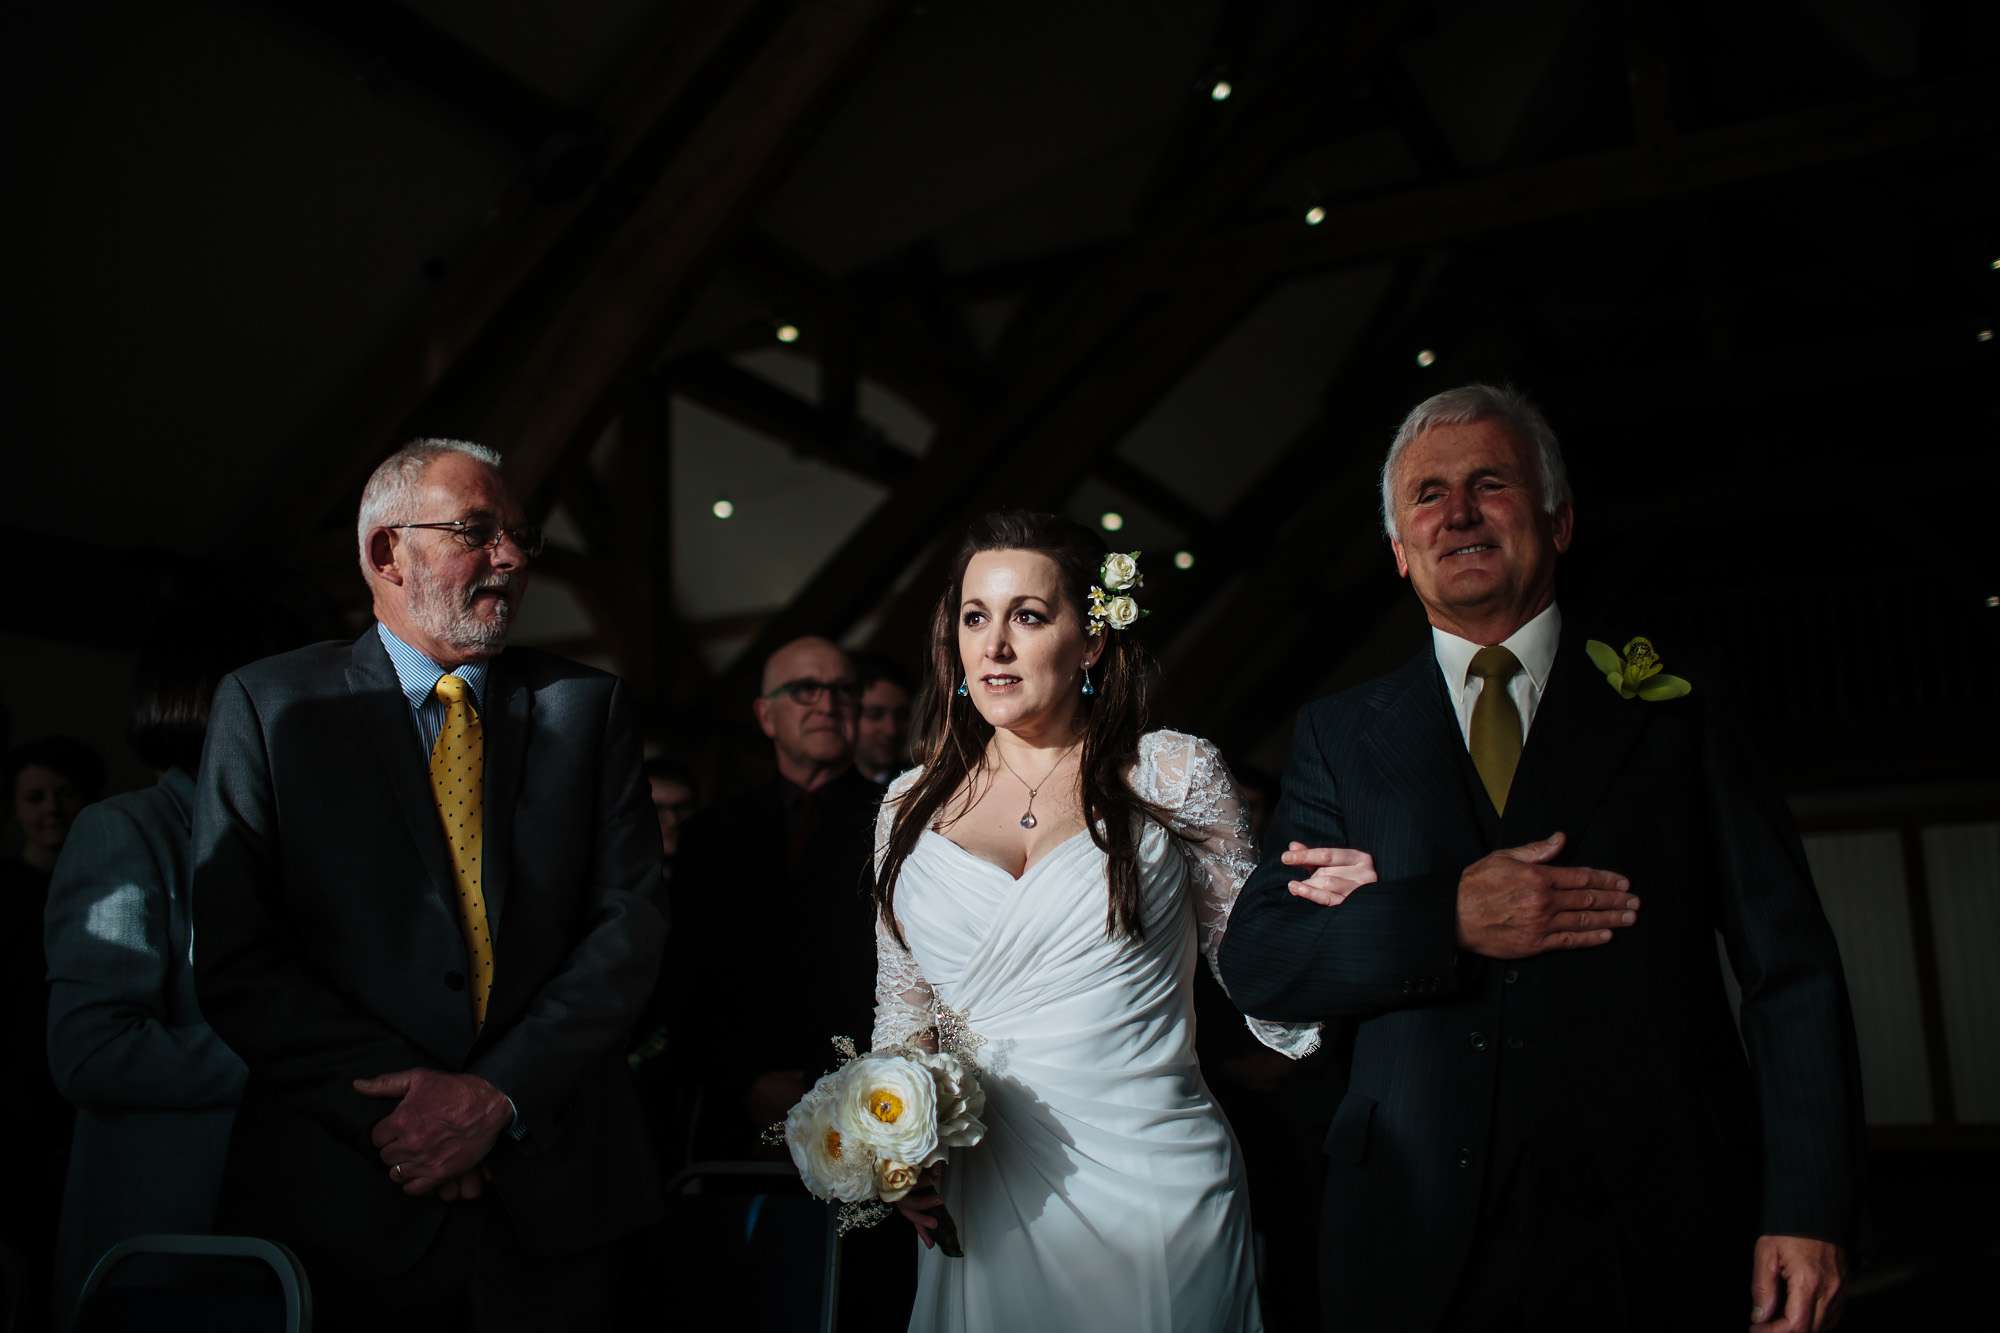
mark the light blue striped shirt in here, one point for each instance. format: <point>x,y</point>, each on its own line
<point>419,676</point>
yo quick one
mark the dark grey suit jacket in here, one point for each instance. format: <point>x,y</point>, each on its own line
<point>1602,1091</point>
<point>327,944</point>
<point>155,1089</point>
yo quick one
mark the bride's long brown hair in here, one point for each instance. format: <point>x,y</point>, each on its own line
<point>952,736</point>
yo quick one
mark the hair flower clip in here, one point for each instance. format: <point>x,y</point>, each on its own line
<point>1113,603</point>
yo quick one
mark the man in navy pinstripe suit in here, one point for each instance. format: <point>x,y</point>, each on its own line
<point>1551,1121</point>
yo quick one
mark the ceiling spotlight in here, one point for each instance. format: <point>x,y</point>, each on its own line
<point>1986,335</point>
<point>723,509</point>
<point>1993,603</point>
<point>1427,358</point>
<point>788,333</point>
<point>1995,266</point>
<point>1220,92</point>
<point>1183,559</point>
<point>1112,520</point>
<point>1315,215</point>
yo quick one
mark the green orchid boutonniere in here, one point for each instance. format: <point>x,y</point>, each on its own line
<point>1636,672</point>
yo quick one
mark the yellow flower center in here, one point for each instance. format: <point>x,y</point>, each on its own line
<point>1641,662</point>
<point>885,1106</point>
<point>833,1144</point>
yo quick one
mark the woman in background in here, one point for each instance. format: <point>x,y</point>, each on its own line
<point>154,1087</point>
<point>47,782</point>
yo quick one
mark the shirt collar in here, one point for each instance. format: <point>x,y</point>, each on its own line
<point>1535,644</point>
<point>418,675</point>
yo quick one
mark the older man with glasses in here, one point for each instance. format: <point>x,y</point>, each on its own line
<point>772,929</point>
<point>422,863</point>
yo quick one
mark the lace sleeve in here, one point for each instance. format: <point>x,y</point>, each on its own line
<point>1191,780</point>
<point>902,997</point>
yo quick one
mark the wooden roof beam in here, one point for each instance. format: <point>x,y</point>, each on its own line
<point>616,314</point>
<point>1432,216</point>
<point>391,39</point>
<point>1080,372</point>
<point>753,402</point>
<point>940,378</point>
<point>373,411</point>
<point>1156,495</point>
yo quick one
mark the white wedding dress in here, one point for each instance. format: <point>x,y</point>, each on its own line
<point>1108,1193</point>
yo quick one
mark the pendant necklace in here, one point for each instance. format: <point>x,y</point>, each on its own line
<point>1028,816</point>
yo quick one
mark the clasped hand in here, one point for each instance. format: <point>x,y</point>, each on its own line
<point>443,1127</point>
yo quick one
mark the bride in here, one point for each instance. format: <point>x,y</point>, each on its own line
<point>1044,882</point>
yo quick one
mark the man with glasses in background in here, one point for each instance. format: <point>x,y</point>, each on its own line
<point>774,941</point>
<point>421,878</point>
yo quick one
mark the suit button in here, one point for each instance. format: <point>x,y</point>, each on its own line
<point>454,981</point>
<point>1513,975</point>
<point>1465,1157</point>
<point>1477,1041</point>
<point>1515,1043</point>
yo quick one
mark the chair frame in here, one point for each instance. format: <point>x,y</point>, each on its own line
<point>279,1259</point>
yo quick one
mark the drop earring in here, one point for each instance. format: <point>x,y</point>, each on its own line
<point>1088,688</point>
<point>963,693</point>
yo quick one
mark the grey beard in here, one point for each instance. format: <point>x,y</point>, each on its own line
<point>448,618</point>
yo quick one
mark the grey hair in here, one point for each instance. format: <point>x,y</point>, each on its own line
<point>1480,402</point>
<point>391,492</point>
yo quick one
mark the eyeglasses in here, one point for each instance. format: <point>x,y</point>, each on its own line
<point>480,534</point>
<point>805,692</point>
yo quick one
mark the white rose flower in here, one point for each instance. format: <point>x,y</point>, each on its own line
<point>1120,612</point>
<point>889,1102</point>
<point>960,1101</point>
<point>1121,571</point>
<point>833,1164</point>
<point>895,1179</point>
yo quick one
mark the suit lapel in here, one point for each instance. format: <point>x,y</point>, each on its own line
<point>386,714</point>
<point>509,707</point>
<point>1580,737</point>
<point>1417,750</point>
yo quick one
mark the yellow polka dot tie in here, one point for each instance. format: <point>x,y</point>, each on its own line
<point>458,767</point>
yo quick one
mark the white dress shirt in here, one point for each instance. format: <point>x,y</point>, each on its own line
<point>1534,644</point>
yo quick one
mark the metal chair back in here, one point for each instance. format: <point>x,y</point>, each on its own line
<point>101,1302</point>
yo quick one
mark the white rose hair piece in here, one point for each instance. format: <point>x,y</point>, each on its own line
<point>1112,603</point>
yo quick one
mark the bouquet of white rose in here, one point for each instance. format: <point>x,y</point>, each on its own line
<point>869,1129</point>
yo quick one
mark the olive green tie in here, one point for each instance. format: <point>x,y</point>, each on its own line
<point>458,768</point>
<point>1495,734</point>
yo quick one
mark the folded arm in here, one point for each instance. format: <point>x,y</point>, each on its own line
<point>1286,957</point>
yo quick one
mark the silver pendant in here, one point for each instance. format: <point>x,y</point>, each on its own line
<point>1028,820</point>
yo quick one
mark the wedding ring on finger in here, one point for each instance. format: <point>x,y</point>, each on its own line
<point>396,1173</point>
